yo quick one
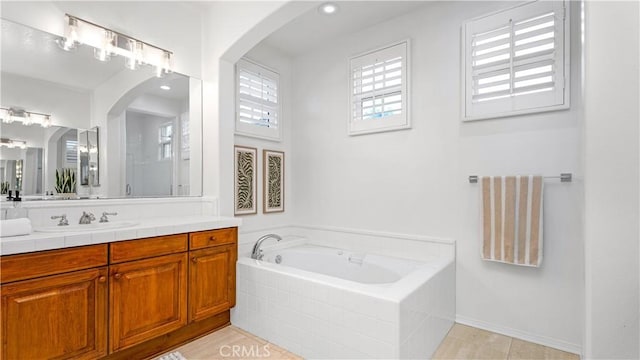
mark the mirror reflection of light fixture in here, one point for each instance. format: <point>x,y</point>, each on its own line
<point>10,143</point>
<point>103,53</point>
<point>10,115</point>
<point>107,42</point>
<point>70,40</point>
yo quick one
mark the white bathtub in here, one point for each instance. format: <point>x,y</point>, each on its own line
<point>322,302</point>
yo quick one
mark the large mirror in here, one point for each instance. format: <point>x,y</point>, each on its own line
<point>109,132</point>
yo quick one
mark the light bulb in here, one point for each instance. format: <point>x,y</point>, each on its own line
<point>46,122</point>
<point>27,120</point>
<point>164,67</point>
<point>103,53</point>
<point>328,8</point>
<point>132,62</point>
<point>71,37</point>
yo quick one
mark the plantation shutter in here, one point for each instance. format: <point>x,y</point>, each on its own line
<point>515,60</point>
<point>258,105</point>
<point>379,89</point>
<point>71,151</point>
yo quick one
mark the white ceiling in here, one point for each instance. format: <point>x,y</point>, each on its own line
<point>313,29</point>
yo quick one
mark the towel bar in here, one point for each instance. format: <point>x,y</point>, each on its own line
<point>564,177</point>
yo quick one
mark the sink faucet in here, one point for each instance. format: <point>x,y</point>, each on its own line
<point>63,219</point>
<point>86,218</point>
<point>104,218</point>
<point>257,252</point>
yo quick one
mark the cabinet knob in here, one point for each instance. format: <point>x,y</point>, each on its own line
<point>117,275</point>
<point>194,259</point>
<point>212,238</point>
<point>102,279</point>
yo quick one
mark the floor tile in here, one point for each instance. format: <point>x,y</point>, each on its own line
<point>523,350</point>
<point>453,348</point>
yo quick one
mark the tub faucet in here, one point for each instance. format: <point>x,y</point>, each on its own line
<point>86,218</point>
<point>257,252</point>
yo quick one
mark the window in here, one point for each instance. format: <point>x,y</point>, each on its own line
<point>164,141</point>
<point>257,101</point>
<point>378,82</point>
<point>516,61</point>
<point>71,151</point>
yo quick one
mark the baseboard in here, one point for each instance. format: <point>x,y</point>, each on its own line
<point>523,335</point>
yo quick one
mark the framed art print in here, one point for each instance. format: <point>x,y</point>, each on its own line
<point>245,182</point>
<point>273,181</point>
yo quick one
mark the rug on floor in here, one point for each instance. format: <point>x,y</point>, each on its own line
<point>174,355</point>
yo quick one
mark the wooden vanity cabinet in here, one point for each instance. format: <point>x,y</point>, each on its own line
<point>147,298</point>
<point>58,316</point>
<point>212,281</point>
<point>123,300</point>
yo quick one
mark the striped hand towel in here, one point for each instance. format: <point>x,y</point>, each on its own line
<point>512,219</point>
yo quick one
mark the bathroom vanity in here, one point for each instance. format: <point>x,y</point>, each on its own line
<point>117,300</point>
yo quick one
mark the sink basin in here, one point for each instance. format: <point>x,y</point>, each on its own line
<point>87,227</point>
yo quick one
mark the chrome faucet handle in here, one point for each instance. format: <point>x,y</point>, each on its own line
<point>86,218</point>
<point>104,218</point>
<point>63,219</point>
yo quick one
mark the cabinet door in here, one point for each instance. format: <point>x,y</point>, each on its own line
<point>212,281</point>
<point>148,298</point>
<point>56,317</point>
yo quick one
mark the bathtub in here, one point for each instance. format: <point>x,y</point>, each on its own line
<point>324,302</point>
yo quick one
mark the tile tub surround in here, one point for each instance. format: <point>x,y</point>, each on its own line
<point>146,227</point>
<point>319,316</point>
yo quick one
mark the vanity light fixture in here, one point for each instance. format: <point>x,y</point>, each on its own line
<point>165,87</point>
<point>107,42</point>
<point>328,8</point>
<point>13,143</point>
<point>10,115</point>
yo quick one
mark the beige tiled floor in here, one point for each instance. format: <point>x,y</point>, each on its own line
<point>232,343</point>
<point>462,343</point>
<point>465,342</point>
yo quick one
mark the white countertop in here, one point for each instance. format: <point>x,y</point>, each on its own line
<point>38,241</point>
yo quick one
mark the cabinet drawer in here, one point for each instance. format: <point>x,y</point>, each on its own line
<point>204,239</point>
<point>145,248</point>
<point>32,265</point>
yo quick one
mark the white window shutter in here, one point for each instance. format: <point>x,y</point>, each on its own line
<point>516,61</point>
<point>257,101</point>
<point>378,84</point>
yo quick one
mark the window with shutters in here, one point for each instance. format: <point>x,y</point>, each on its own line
<point>516,61</point>
<point>257,101</point>
<point>71,151</point>
<point>378,83</point>
<point>165,134</point>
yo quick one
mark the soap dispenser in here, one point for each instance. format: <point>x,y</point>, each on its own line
<point>17,211</point>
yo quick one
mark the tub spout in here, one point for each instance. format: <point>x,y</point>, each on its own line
<point>257,252</point>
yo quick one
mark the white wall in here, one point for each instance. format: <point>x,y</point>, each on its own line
<point>415,181</point>
<point>280,63</point>
<point>69,107</point>
<point>612,180</point>
<point>230,30</point>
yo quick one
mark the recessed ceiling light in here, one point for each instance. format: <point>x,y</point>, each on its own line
<point>165,87</point>
<point>328,8</point>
